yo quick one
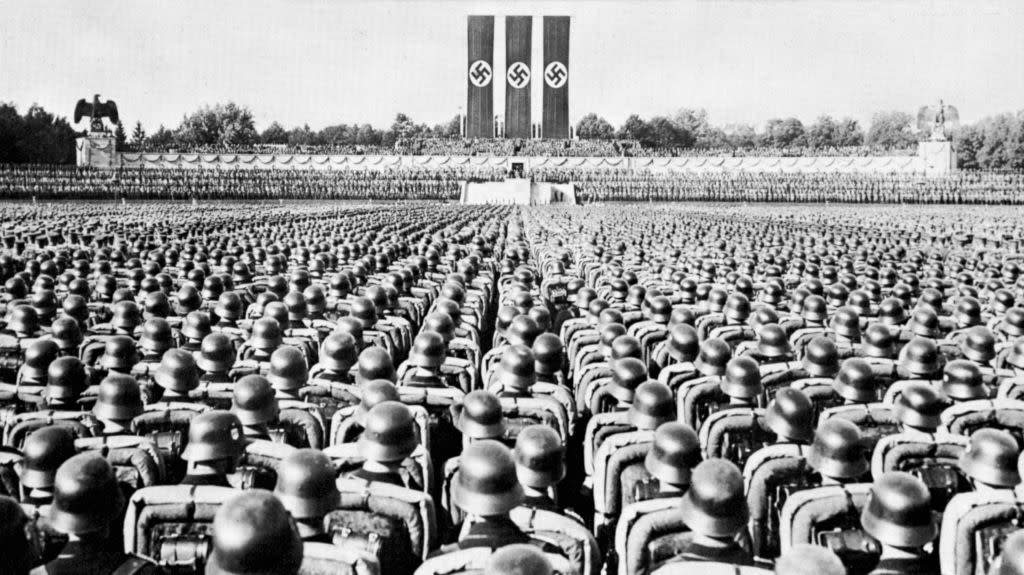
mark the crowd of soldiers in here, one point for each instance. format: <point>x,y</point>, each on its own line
<point>49,183</point>
<point>306,388</point>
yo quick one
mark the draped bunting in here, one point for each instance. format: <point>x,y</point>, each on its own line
<point>904,164</point>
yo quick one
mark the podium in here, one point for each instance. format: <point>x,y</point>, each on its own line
<point>937,156</point>
<point>517,191</point>
<point>97,150</point>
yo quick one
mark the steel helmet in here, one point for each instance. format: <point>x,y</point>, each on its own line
<point>683,343</point>
<point>549,354</point>
<point>714,505</point>
<point>516,370</point>
<point>821,358</point>
<point>441,324</point>
<point>253,401</point>
<point>539,456</point>
<point>627,374</point>
<point>713,357</point>
<point>991,458</point>
<point>118,398</point>
<point>177,371</point>
<point>674,452</point>
<point>487,483</point>
<point>67,333</point>
<point>196,325</point>
<point>216,354</point>
<point>288,371</point>
<point>899,511</point>
<point>838,450</point>
<point>920,357</point>
<point>979,344</point>
<point>375,363</point>
<point>742,379</point>
<point>920,406</point>
<point>44,450</point>
<point>878,342</point>
<point>652,405</point>
<point>86,498</point>
<point>790,415</point>
<point>481,416</point>
<point>855,381</point>
<point>962,380</point>
<point>338,352</point>
<point>306,484</point>
<point>66,379</point>
<point>214,435</point>
<point>37,359</point>
<point>253,534</point>
<point>371,393</point>
<point>523,330</point>
<point>266,334</point>
<point>428,350</point>
<point>772,341</point>
<point>157,336</point>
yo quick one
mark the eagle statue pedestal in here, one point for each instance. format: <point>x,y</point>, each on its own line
<point>938,157</point>
<point>97,150</point>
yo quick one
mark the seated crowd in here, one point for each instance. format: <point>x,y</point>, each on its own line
<point>48,183</point>
<point>308,388</point>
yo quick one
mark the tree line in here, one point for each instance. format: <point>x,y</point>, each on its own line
<point>995,143</point>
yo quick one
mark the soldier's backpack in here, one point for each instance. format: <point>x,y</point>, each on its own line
<point>974,527</point>
<point>173,524</point>
<point>394,524</point>
<point>934,460</point>
<point>830,516</point>
<point>327,559</point>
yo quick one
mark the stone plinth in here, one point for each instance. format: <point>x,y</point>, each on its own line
<point>97,150</point>
<point>937,157</point>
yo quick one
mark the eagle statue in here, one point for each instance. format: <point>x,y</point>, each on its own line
<point>96,111</point>
<point>938,122</point>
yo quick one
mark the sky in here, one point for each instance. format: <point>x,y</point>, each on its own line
<point>321,62</point>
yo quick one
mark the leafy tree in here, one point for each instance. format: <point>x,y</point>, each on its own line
<point>366,135</point>
<point>667,134</point>
<point>120,139</point>
<point>892,130</point>
<point>785,133</point>
<point>967,141</point>
<point>274,134</point>
<point>450,129</point>
<point>224,124</point>
<point>138,135</point>
<point>303,136</point>
<point>634,128</point>
<point>594,127</point>
<point>741,136</point>
<point>161,138</point>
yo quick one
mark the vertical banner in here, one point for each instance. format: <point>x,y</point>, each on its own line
<point>518,59</point>
<point>556,77</point>
<point>480,78</point>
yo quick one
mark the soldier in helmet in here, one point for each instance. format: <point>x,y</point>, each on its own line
<point>838,453</point>
<point>820,362</point>
<point>253,533</point>
<point>919,408</point>
<point>87,505</point>
<point>177,375</point>
<point>66,381</point>
<point>306,486</point>
<point>425,361</point>
<point>38,357</point>
<point>255,405</point>
<point>338,354</point>
<point>990,460</point>
<point>288,373</point>
<point>388,439</point>
<point>216,442</point>
<point>216,360</point>
<point>899,516</point>
<point>772,346</point>
<point>540,465</point>
<point>375,363</point>
<point>674,453</point>
<point>486,488</point>
<point>119,399</point>
<point>44,451</point>
<point>715,511</point>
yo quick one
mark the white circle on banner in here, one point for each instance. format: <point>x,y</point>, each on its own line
<point>518,75</point>
<point>556,74</point>
<point>480,73</point>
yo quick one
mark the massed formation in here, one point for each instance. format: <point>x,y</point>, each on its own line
<point>309,388</point>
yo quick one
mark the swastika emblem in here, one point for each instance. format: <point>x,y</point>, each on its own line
<point>518,75</point>
<point>480,73</point>
<point>556,74</point>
